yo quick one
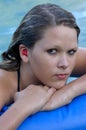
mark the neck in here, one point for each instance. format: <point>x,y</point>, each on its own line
<point>27,77</point>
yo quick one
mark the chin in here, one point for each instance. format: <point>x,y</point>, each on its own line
<point>59,85</point>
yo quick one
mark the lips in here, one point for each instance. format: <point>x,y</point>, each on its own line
<point>62,76</point>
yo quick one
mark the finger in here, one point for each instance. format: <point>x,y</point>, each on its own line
<point>51,91</point>
<point>46,88</point>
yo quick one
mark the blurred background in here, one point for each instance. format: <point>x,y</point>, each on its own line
<point>12,11</point>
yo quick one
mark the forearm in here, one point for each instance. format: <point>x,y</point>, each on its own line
<point>77,87</point>
<point>13,117</point>
<point>67,93</point>
<point>27,102</point>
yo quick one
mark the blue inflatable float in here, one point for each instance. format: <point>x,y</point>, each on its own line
<point>68,117</point>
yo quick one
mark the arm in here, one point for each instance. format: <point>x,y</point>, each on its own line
<point>80,66</point>
<point>67,93</point>
<point>6,92</point>
<point>27,102</point>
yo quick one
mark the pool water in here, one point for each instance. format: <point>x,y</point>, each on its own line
<point>12,11</point>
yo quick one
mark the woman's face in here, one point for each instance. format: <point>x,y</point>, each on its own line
<point>53,57</point>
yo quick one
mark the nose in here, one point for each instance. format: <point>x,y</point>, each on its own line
<point>63,62</point>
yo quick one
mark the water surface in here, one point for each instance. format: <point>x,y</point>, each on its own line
<point>12,11</point>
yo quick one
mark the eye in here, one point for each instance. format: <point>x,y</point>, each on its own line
<point>72,52</point>
<point>52,51</point>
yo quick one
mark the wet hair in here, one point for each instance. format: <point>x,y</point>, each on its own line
<point>32,28</point>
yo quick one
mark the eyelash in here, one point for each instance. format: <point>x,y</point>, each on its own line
<point>54,51</point>
<point>72,52</point>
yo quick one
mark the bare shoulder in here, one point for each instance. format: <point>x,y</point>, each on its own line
<point>80,67</point>
<point>6,88</point>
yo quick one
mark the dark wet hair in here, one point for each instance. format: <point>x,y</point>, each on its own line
<point>31,29</point>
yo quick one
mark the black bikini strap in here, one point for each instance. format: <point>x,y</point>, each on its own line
<point>18,73</point>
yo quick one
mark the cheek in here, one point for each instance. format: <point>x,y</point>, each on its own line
<point>43,61</point>
<point>37,63</point>
<point>42,67</point>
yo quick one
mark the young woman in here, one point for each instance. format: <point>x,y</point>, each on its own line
<point>42,55</point>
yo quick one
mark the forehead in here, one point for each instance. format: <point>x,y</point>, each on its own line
<point>59,36</point>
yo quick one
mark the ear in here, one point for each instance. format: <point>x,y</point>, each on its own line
<point>23,50</point>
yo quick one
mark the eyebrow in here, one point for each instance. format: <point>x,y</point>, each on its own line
<point>61,47</point>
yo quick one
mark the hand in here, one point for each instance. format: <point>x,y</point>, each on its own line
<point>66,94</point>
<point>59,98</point>
<point>34,97</point>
